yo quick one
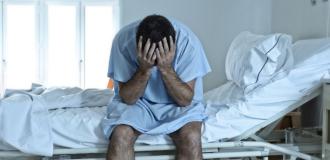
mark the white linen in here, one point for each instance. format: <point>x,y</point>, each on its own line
<point>25,122</point>
<point>78,127</point>
<point>233,119</point>
<point>308,51</point>
<point>66,97</point>
<point>232,94</point>
<point>254,60</point>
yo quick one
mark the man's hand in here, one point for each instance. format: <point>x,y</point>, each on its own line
<point>146,56</point>
<point>181,92</point>
<point>133,89</point>
<point>165,54</point>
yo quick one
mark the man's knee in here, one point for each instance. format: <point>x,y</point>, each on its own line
<point>189,135</point>
<point>192,138</point>
<point>124,135</point>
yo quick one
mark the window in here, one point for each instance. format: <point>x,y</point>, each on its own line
<point>56,42</point>
<point>20,31</point>
<point>97,52</point>
<point>63,60</point>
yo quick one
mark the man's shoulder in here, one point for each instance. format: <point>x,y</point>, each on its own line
<point>183,32</point>
<point>127,33</point>
<point>131,27</point>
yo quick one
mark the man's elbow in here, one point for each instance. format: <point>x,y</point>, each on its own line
<point>185,102</point>
<point>127,100</point>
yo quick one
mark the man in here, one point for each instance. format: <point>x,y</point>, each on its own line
<point>157,66</point>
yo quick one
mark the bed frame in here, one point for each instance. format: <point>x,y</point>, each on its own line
<point>256,142</point>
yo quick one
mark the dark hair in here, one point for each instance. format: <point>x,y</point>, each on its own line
<point>155,27</point>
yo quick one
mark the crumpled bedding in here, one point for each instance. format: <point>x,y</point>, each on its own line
<point>24,115</point>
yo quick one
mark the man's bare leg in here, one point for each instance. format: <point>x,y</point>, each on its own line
<point>188,142</point>
<point>121,145</point>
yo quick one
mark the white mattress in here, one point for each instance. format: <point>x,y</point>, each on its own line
<point>230,113</point>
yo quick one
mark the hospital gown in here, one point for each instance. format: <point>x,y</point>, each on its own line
<point>155,112</point>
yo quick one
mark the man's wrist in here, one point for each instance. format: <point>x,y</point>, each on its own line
<point>145,71</point>
<point>165,70</point>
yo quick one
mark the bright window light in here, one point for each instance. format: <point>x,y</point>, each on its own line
<point>99,32</point>
<point>63,60</point>
<point>56,43</point>
<point>20,44</point>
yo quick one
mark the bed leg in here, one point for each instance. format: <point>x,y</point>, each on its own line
<point>293,158</point>
<point>285,157</point>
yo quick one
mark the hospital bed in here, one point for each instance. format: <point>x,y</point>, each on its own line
<point>224,136</point>
<point>236,147</point>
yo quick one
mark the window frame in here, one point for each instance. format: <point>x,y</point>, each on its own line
<point>41,16</point>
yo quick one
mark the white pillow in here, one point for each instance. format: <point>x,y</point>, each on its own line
<point>254,60</point>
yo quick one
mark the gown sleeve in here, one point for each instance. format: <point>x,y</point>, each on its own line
<point>121,65</point>
<point>191,60</point>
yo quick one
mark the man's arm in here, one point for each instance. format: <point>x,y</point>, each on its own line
<point>133,89</point>
<point>181,92</point>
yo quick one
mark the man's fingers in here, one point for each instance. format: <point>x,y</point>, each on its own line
<point>146,47</point>
<point>172,45</point>
<point>151,51</point>
<point>158,55</point>
<point>161,48</point>
<point>139,46</point>
<point>140,43</point>
<point>154,56</point>
<point>166,48</point>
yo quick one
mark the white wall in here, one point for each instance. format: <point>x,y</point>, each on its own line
<point>215,22</point>
<point>300,18</point>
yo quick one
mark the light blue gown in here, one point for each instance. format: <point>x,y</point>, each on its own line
<point>155,112</point>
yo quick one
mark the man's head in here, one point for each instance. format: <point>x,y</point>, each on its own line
<point>155,27</point>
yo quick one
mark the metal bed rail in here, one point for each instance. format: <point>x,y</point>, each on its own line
<point>222,150</point>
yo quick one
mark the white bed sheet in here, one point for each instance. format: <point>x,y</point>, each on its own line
<point>24,115</point>
<point>230,114</point>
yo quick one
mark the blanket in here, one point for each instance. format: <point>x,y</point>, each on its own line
<point>24,114</point>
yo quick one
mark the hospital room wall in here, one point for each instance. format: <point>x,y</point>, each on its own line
<point>300,18</point>
<point>215,22</point>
